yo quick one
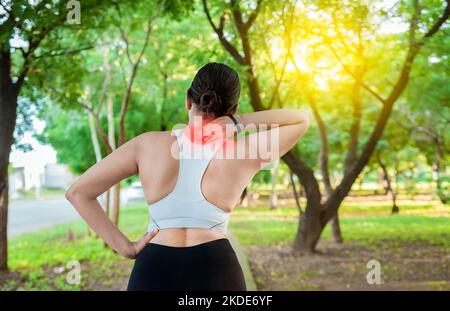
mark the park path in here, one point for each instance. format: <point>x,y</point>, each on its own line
<point>31,215</point>
<point>243,260</point>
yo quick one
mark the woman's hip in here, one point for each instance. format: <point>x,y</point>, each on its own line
<point>211,265</point>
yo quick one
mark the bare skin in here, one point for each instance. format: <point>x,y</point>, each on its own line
<point>149,155</point>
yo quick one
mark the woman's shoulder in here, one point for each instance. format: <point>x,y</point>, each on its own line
<point>155,139</point>
<point>155,136</point>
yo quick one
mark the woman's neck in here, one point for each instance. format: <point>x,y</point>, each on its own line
<point>199,120</point>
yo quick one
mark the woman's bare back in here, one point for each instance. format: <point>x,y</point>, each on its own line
<point>222,184</point>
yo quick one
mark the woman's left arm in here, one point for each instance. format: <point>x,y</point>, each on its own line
<point>118,165</point>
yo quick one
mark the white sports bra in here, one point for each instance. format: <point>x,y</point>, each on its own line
<point>185,206</point>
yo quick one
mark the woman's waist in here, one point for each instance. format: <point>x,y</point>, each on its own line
<point>185,237</point>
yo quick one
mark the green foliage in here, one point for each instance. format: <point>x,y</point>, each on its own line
<point>67,68</point>
<point>68,134</point>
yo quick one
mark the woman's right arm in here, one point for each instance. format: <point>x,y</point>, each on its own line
<point>277,132</point>
<point>267,119</point>
<point>273,133</point>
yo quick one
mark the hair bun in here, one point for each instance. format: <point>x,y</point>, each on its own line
<point>209,100</point>
<point>215,90</point>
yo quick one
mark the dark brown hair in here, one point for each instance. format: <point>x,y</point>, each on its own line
<point>215,90</point>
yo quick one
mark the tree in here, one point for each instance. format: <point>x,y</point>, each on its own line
<point>317,212</point>
<point>425,115</point>
<point>28,35</point>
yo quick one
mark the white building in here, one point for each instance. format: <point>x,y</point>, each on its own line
<point>57,176</point>
<point>53,175</point>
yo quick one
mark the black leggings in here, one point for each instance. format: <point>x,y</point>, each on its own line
<point>207,266</point>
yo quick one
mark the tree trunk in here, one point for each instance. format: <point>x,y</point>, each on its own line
<point>116,202</point>
<point>310,224</point>
<point>390,189</point>
<point>437,168</point>
<point>107,195</point>
<point>112,143</point>
<point>361,182</point>
<point>123,113</point>
<point>95,145</point>
<point>336,233</point>
<point>381,183</point>
<point>3,218</point>
<point>395,180</point>
<point>294,191</point>
<point>273,194</point>
<point>323,164</point>
<point>8,115</point>
<point>244,198</point>
<point>107,202</point>
<point>308,231</point>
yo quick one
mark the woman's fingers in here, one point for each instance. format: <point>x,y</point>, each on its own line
<point>220,128</point>
<point>142,242</point>
<point>150,235</point>
<point>212,128</point>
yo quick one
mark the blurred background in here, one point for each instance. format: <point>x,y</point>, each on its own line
<point>360,203</point>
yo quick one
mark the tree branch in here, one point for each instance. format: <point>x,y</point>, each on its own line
<point>147,37</point>
<point>287,35</point>
<point>124,36</point>
<point>440,22</point>
<point>99,127</point>
<point>6,10</point>
<point>354,76</point>
<point>127,96</point>
<point>33,44</point>
<point>225,43</point>
<point>63,53</point>
<point>253,15</point>
<point>280,78</point>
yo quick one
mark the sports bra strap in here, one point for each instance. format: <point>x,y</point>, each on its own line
<point>185,206</point>
<point>194,159</point>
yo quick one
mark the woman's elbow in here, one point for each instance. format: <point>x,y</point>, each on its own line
<point>80,193</point>
<point>75,193</point>
<point>301,129</point>
<point>72,193</point>
<point>305,116</point>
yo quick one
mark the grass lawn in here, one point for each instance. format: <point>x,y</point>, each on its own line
<point>364,224</point>
<point>36,255</point>
<point>38,260</point>
<point>412,247</point>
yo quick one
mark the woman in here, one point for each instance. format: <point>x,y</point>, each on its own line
<point>190,197</point>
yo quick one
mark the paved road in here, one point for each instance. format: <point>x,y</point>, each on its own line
<point>31,215</point>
